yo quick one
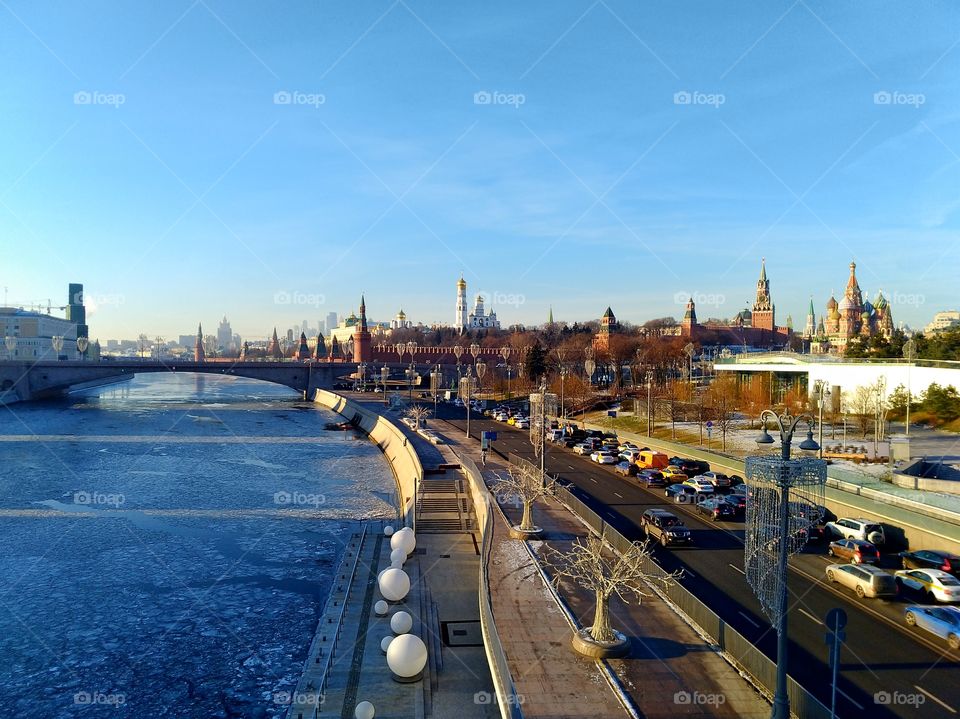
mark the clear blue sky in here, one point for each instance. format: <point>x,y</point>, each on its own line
<point>200,195</point>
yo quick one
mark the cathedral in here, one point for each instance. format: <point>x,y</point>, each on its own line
<point>853,317</point>
<point>479,319</point>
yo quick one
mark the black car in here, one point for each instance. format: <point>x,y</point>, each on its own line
<point>716,509</point>
<point>651,478</point>
<point>737,501</point>
<point>690,467</point>
<point>931,559</point>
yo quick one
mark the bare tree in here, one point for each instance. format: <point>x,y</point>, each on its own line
<point>418,413</point>
<point>722,397</point>
<point>861,403</point>
<point>605,574</point>
<point>523,483</point>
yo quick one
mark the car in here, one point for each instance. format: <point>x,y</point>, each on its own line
<point>931,559</point>
<point>718,479</point>
<point>651,478</point>
<point>690,467</point>
<point>665,527</point>
<point>624,446</point>
<point>735,480</point>
<point>857,529</point>
<point>512,420</point>
<point>737,501</point>
<point>603,457</point>
<point>944,622</point>
<point>857,551</point>
<point>864,579</point>
<point>704,486</point>
<point>629,455</point>
<point>672,470</point>
<point>740,489</point>
<point>934,584</point>
<point>522,423</point>
<point>627,469</point>
<point>716,508</point>
<point>583,448</point>
<point>681,493</point>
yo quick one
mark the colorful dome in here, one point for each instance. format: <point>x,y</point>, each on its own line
<point>881,302</point>
<point>832,303</point>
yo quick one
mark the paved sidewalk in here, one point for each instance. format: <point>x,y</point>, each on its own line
<point>672,671</point>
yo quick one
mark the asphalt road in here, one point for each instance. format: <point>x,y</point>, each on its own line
<point>881,653</point>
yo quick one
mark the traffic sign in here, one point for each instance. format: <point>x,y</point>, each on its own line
<point>611,413</point>
<point>836,619</point>
<point>488,435</point>
<point>709,424</point>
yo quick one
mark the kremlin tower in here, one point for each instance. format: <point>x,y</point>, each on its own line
<point>361,337</point>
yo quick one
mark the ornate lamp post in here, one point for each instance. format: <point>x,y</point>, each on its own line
<point>474,350</point>
<point>412,371</point>
<point>82,344</point>
<point>57,342</point>
<point>384,374</point>
<point>909,354</point>
<point>10,342</point>
<point>778,527</point>
<point>481,368</point>
<point>563,376</point>
<point>505,353</point>
<point>466,389</point>
<point>458,353</point>
<point>436,378</point>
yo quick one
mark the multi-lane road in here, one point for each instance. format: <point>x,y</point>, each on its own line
<point>887,669</point>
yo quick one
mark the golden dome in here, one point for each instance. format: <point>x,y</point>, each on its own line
<point>461,283</point>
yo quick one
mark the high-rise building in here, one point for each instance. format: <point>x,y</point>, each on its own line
<point>331,322</point>
<point>225,335</point>
<point>76,312</point>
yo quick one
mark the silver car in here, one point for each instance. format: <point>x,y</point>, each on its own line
<point>942,621</point>
<point>865,580</point>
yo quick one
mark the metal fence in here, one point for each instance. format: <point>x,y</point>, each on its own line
<point>497,659</point>
<point>740,651</point>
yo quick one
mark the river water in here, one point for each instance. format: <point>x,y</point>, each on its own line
<point>167,546</point>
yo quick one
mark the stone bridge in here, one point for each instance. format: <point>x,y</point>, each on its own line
<point>21,381</point>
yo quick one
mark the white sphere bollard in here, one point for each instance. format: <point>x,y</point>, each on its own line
<point>384,643</point>
<point>401,623</point>
<point>406,657</point>
<point>398,555</point>
<point>388,531</point>
<point>404,539</point>
<point>394,584</point>
<point>364,710</point>
<point>380,608</point>
<point>396,565</point>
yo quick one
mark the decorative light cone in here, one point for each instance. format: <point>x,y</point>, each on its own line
<point>394,584</point>
<point>384,643</point>
<point>406,657</point>
<point>398,555</point>
<point>364,710</point>
<point>396,565</point>
<point>401,623</point>
<point>380,608</point>
<point>388,531</point>
<point>404,539</point>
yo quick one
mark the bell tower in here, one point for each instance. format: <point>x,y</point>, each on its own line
<point>763,308</point>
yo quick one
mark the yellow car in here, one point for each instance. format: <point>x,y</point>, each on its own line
<point>512,420</point>
<point>673,471</point>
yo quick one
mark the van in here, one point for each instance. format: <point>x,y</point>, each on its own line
<point>865,580</point>
<point>648,459</point>
<point>555,435</point>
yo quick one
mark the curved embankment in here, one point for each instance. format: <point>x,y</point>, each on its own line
<point>401,456</point>
<point>408,472</point>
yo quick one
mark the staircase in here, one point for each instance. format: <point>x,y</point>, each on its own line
<point>442,504</point>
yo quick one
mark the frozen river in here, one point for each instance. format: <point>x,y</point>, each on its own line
<point>167,546</point>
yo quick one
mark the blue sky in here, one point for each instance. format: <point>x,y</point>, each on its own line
<point>579,154</point>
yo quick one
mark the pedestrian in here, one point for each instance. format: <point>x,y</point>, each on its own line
<point>483,457</point>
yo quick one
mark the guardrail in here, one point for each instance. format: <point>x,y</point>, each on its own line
<point>737,649</point>
<point>503,684</point>
<point>297,710</point>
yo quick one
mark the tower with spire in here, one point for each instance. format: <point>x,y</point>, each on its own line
<point>461,321</point>
<point>198,354</point>
<point>303,351</point>
<point>762,316</point>
<point>361,336</point>
<point>810,330</point>
<point>273,349</point>
<point>550,317</point>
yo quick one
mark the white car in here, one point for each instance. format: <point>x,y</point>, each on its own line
<point>582,448</point>
<point>701,484</point>
<point>629,455</point>
<point>933,583</point>
<point>864,529</point>
<point>942,621</point>
<point>601,457</point>
<point>522,423</point>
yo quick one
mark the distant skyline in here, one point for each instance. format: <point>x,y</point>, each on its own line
<point>186,160</point>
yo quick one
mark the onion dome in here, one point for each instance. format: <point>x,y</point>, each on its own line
<point>461,283</point>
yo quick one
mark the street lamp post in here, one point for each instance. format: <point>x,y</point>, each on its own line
<point>505,353</point>
<point>384,374</point>
<point>466,388</point>
<point>909,354</point>
<point>57,342</point>
<point>10,342</point>
<point>458,353</point>
<point>822,391</point>
<point>563,376</point>
<point>783,481</point>
<point>481,368</point>
<point>436,378</point>
<point>649,391</point>
<point>82,344</point>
